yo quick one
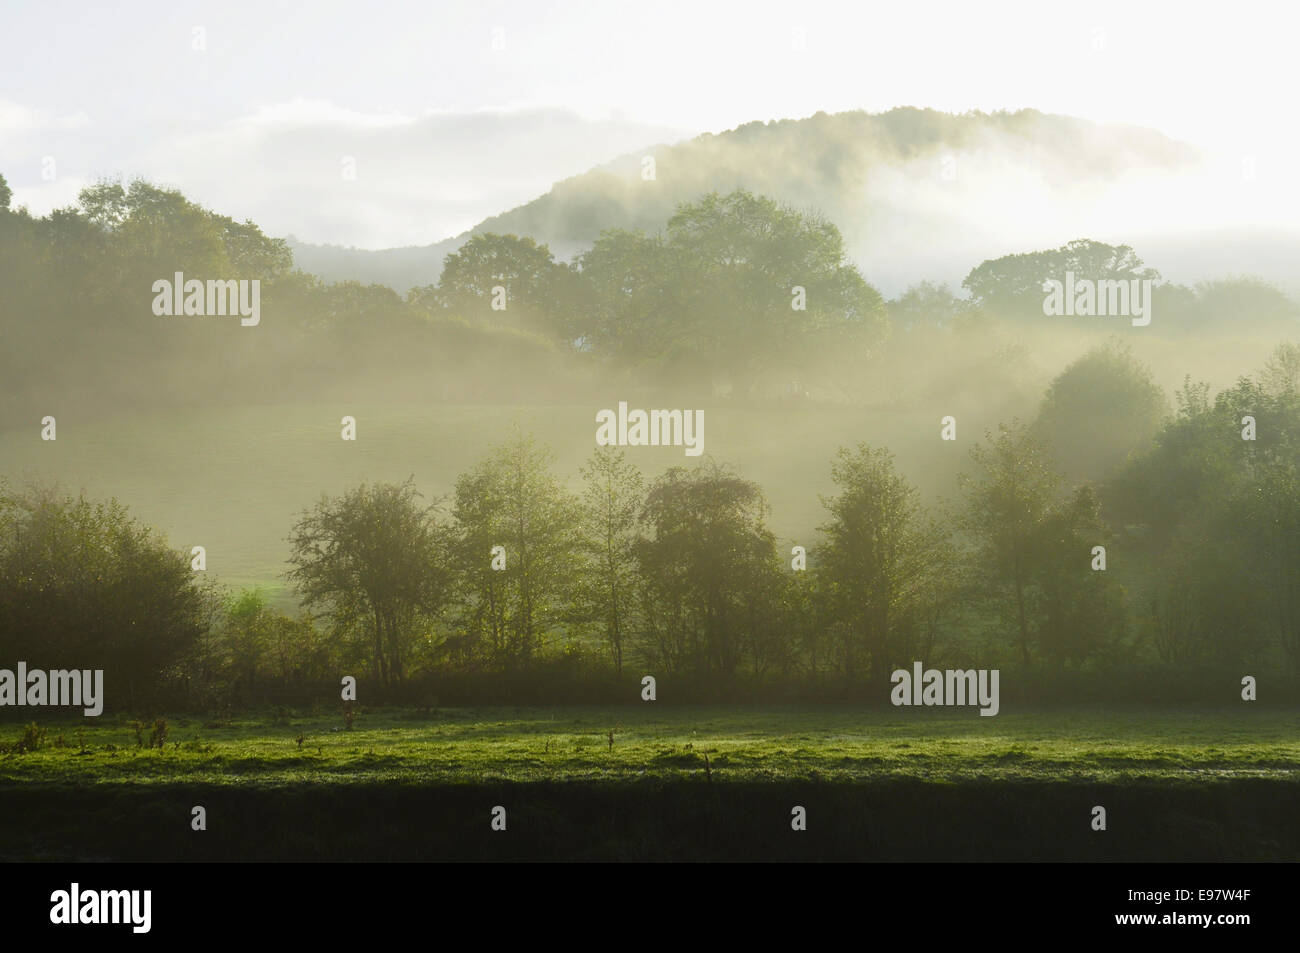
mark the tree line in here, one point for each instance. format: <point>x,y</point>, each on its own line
<point>513,575</point>
<point>736,294</point>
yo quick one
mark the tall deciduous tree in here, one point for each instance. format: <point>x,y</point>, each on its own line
<point>882,563</point>
<point>611,504</point>
<point>1008,500</point>
<point>1034,551</point>
<point>512,500</point>
<point>708,557</point>
<point>1099,410</point>
<point>374,560</point>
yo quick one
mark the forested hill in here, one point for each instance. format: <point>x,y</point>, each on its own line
<point>913,182</point>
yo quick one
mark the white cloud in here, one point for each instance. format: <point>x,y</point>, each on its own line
<point>17,120</point>
<point>418,178</point>
<point>447,130</point>
<point>308,112</point>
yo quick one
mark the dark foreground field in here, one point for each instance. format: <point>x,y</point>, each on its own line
<point>676,784</point>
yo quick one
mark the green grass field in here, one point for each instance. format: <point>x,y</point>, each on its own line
<point>678,784</point>
<point>755,744</point>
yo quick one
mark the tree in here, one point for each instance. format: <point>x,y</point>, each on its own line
<point>1100,410</point>
<point>1261,526</point>
<point>248,639</point>
<point>634,302</point>
<point>135,234</point>
<point>718,291</point>
<point>84,585</point>
<point>926,305</point>
<point>1012,285</point>
<point>612,501</point>
<point>373,559</point>
<point>534,284</point>
<point>251,253</point>
<point>1199,458</point>
<point>1281,374</point>
<point>743,256</point>
<point>512,500</point>
<point>1216,513</point>
<point>705,563</point>
<point>6,195</point>
<point>1033,552</point>
<point>1238,304</point>
<point>296,653</point>
<point>1080,610</point>
<point>260,644</point>
<point>1007,503</point>
<point>1173,619</point>
<point>880,560</point>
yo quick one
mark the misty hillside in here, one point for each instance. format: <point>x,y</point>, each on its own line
<point>916,193</point>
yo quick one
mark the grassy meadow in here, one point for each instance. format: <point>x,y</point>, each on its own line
<point>741,744</point>
<point>636,782</point>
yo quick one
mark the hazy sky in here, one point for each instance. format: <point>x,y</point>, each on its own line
<point>454,111</point>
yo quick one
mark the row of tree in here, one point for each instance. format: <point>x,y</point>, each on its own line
<point>682,576</point>
<point>738,293</point>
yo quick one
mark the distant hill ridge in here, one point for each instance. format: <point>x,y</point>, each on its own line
<point>879,177</point>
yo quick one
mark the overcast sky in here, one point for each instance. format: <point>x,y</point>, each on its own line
<point>453,111</point>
